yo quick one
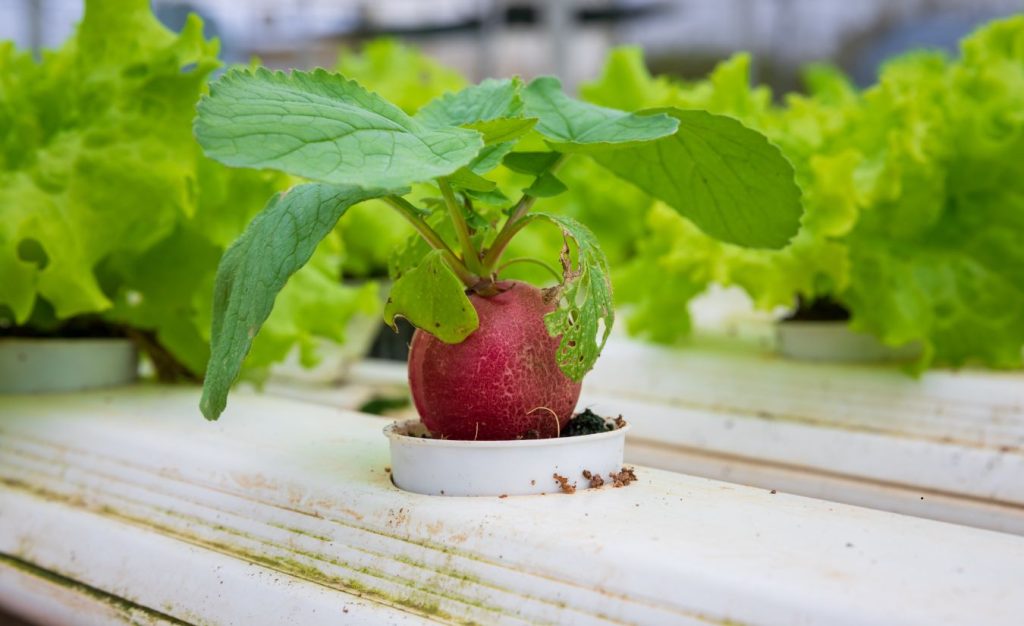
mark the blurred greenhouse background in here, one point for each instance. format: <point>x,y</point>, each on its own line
<point>565,37</point>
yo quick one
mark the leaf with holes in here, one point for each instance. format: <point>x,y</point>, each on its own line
<point>585,311</point>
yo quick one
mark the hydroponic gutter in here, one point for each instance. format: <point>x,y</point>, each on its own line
<point>947,446</point>
<point>283,512</point>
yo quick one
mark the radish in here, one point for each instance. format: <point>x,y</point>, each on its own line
<point>501,382</point>
<point>491,359</point>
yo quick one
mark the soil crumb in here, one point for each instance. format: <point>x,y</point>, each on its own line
<point>564,484</point>
<point>625,476</point>
<point>595,479</point>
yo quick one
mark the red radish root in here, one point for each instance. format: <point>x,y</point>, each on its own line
<point>502,381</point>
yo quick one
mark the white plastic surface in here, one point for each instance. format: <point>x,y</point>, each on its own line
<point>55,365</point>
<point>282,513</point>
<point>946,444</point>
<point>835,342</point>
<point>496,468</point>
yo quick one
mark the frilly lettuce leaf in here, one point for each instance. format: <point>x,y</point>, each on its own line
<point>102,133</point>
<point>913,194</point>
<point>107,206</point>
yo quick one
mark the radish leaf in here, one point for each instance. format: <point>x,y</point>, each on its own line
<point>725,177</point>
<point>493,108</point>
<point>324,127</point>
<point>278,241</point>
<point>433,299</point>
<point>532,163</point>
<point>494,105</point>
<point>585,311</point>
<point>565,121</point>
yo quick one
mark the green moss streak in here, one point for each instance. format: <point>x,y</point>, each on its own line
<point>126,608</point>
<point>299,531</point>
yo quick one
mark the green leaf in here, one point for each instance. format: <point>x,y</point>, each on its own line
<point>96,153</point>
<point>585,312</point>
<point>725,177</point>
<point>490,100</point>
<point>565,121</point>
<point>504,129</point>
<point>546,185</point>
<point>493,198</point>
<point>434,300</point>
<point>532,163</point>
<point>279,241</point>
<point>493,108</point>
<point>490,157</point>
<point>464,178</point>
<point>324,127</point>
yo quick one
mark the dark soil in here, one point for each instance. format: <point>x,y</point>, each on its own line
<point>819,310</point>
<point>588,423</point>
<point>564,484</point>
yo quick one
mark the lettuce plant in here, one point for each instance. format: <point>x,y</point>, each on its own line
<point>111,217</point>
<point>912,190</point>
<point>436,170</point>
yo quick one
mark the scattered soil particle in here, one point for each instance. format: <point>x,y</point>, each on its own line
<point>595,479</point>
<point>387,470</point>
<point>774,492</point>
<point>533,482</point>
<point>625,476</point>
<point>620,422</point>
<point>504,495</point>
<point>564,484</point>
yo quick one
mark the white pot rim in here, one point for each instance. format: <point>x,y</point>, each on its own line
<point>519,467</point>
<point>392,432</point>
